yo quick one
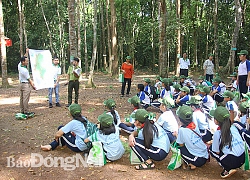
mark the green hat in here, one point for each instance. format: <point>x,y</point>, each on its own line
<point>220,113</point>
<point>210,55</point>
<point>205,89</point>
<point>243,107</point>
<point>106,120</point>
<point>227,94</point>
<point>158,78</point>
<point>217,79</point>
<point>134,100</point>
<point>165,81</point>
<point>128,57</point>
<point>234,74</point>
<point>177,86</point>
<point>243,52</point>
<point>109,103</point>
<point>147,80</point>
<point>182,77</point>
<point>140,115</point>
<point>246,96</point>
<point>75,109</point>
<point>167,101</point>
<point>151,116</point>
<point>201,77</point>
<point>236,67</point>
<point>194,100</point>
<point>185,89</point>
<point>184,112</point>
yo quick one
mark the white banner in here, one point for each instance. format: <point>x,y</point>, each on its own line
<point>42,69</point>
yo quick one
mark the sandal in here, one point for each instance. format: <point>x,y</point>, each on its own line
<point>148,166</point>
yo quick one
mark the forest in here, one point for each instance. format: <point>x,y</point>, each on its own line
<point>102,33</point>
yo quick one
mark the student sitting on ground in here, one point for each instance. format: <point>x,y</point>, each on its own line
<point>190,84</point>
<point>108,134</point>
<point>158,85</point>
<point>227,147</point>
<point>144,98</point>
<point>72,134</point>
<point>193,150</point>
<point>183,97</point>
<point>208,102</point>
<point>128,126</point>
<point>231,106</point>
<point>233,85</point>
<point>200,119</point>
<point>110,109</point>
<point>182,80</point>
<point>202,81</point>
<point>167,119</point>
<point>216,90</point>
<point>150,142</point>
<point>176,91</point>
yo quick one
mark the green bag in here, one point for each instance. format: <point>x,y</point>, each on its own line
<point>133,158</point>
<point>175,161</point>
<point>96,155</point>
<point>21,116</point>
<point>121,77</point>
<point>246,165</point>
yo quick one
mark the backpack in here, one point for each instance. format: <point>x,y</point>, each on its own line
<point>153,95</point>
<point>91,128</point>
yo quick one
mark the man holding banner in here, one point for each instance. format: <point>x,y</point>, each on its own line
<point>73,75</point>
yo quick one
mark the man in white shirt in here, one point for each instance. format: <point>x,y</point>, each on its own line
<point>57,73</point>
<point>184,65</point>
<point>208,67</point>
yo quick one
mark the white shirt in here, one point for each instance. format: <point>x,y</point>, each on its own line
<point>168,121</point>
<point>242,69</point>
<point>184,63</point>
<point>208,66</point>
<point>56,71</point>
<point>23,73</point>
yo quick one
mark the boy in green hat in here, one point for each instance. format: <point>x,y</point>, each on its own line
<point>158,85</point>
<point>109,136</point>
<point>208,102</point>
<point>128,126</point>
<point>216,90</point>
<point>233,85</point>
<point>231,106</point>
<point>176,90</point>
<point>183,97</point>
<point>182,80</point>
<point>150,90</point>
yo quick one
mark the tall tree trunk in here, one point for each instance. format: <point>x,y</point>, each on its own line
<point>20,26</point>
<point>85,41</point>
<point>109,39</point>
<point>153,32</point>
<point>162,37</point>
<point>24,29</point>
<point>5,82</point>
<point>238,19</point>
<point>47,25</point>
<point>92,65</point>
<point>216,59</point>
<point>104,55</point>
<point>178,50</point>
<point>72,31</point>
<point>113,39</point>
<point>79,31</point>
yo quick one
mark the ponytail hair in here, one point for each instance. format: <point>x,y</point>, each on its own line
<point>80,118</point>
<point>107,130</point>
<point>226,135</point>
<point>149,130</point>
<point>112,111</point>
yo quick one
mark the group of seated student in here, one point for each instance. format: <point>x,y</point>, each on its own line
<point>150,138</point>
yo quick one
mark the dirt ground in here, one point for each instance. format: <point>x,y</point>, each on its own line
<point>20,138</point>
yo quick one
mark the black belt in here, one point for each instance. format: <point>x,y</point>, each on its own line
<point>73,80</point>
<point>24,82</point>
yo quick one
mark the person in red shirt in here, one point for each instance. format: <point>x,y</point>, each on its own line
<point>128,71</point>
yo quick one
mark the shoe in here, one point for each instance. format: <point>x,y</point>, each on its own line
<point>122,96</point>
<point>127,95</point>
<point>58,105</point>
<point>226,174</point>
<point>30,114</point>
<point>50,105</point>
<point>68,105</point>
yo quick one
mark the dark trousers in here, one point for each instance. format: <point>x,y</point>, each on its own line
<point>126,128</point>
<point>191,159</point>
<point>184,72</point>
<point>67,139</point>
<point>228,161</point>
<point>218,97</point>
<point>126,80</point>
<point>242,85</point>
<point>209,77</point>
<point>73,85</point>
<point>144,154</point>
<point>245,134</point>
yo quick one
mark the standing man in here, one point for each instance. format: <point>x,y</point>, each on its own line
<point>243,72</point>
<point>25,85</point>
<point>73,75</point>
<point>184,65</point>
<point>57,73</point>
<point>128,71</point>
<point>208,67</point>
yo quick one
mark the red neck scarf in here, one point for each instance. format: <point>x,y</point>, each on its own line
<point>191,126</point>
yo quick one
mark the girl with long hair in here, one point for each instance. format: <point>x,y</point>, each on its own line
<point>227,147</point>
<point>110,109</point>
<point>150,142</point>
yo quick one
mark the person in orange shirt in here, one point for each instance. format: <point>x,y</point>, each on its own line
<point>128,71</point>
